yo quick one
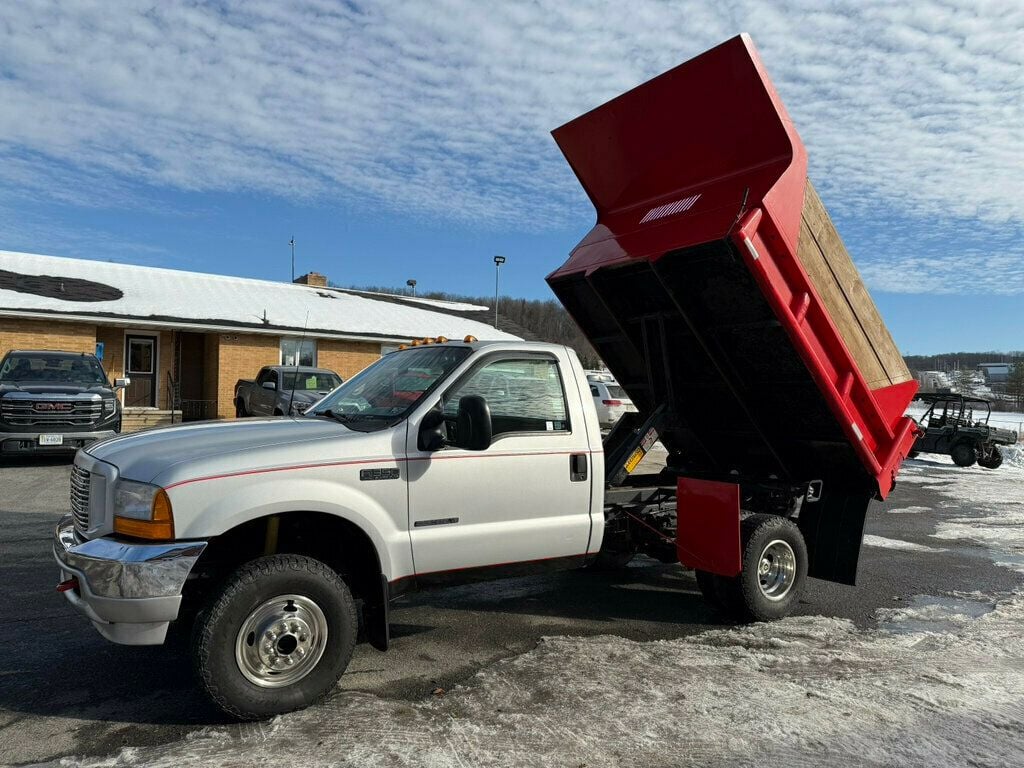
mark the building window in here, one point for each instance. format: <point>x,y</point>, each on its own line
<point>304,349</point>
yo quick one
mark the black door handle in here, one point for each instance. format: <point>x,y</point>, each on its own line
<point>577,467</point>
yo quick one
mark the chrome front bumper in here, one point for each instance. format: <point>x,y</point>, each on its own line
<point>130,592</point>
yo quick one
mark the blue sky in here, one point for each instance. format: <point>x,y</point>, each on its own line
<point>411,140</point>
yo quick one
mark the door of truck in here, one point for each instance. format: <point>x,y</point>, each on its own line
<point>261,400</point>
<point>522,503</point>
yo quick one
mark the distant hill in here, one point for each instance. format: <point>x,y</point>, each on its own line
<point>545,320</point>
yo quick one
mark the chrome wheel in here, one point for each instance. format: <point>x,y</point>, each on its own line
<point>776,570</point>
<point>281,641</point>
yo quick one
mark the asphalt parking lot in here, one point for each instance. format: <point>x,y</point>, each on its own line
<point>66,691</point>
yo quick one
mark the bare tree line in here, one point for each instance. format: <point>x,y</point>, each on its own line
<point>545,318</point>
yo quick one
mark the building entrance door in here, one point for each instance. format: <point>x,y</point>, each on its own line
<point>140,367</point>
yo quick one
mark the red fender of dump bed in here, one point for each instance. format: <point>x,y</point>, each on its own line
<point>706,152</point>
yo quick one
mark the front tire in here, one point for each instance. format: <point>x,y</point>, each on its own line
<point>240,412</point>
<point>276,637</point>
<point>774,574</point>
<point>964,454</point>
<point>993,460</point>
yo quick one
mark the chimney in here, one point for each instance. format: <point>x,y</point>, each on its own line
<point>312,278</point>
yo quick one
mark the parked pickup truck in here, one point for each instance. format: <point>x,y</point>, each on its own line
<point>55,401</point>
<point>278,540</point>
<point>283,389</point>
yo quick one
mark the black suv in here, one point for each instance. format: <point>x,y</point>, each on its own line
<point>950,426</point>
<point>55,401</point>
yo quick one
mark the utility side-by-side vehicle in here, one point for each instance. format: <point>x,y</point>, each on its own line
<point>957,426</point>
<point>719,295</point>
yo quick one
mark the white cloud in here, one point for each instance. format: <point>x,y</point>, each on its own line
<point>442,109</point>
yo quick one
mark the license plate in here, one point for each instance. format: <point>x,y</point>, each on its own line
<point>51,439</point>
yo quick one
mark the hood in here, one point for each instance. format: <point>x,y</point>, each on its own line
<point>45,388</point>
<point>201,449</point>
<point>1003,436</point>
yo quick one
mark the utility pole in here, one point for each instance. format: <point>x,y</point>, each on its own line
<point>292,244</point>
<point>498,261</point>
<point>412,285</point>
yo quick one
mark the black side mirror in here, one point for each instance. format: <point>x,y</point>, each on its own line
<point>474,423</point>
<point>433,435</point>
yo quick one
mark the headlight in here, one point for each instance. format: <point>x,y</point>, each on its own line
<point>142,510</point>
<point>108,406</point>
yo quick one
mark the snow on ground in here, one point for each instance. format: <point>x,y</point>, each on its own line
<point>906,510</point>
<point>881,541</point>
<point>1013,455</point>
<point>996,496</point>
<point>939,683</point>
<point>802,691</point>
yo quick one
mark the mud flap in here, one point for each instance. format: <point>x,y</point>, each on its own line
<point>376,619</point>
<point>708,526</point>
<point>833,529</point>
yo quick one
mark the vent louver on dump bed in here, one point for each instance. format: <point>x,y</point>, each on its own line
<point>770,356</point>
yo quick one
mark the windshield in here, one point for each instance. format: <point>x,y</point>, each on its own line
<point>386,391</point>
<point>310,382</point>
<point>80,370</point>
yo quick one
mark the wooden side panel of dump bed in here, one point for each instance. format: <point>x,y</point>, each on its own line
<point>831,270</point>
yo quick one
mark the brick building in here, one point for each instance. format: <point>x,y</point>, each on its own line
<point>185,338</point>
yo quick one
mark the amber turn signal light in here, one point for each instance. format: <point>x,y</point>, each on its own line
<point>159,526</point>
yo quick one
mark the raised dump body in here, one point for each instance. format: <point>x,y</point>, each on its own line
<point>715,284</point>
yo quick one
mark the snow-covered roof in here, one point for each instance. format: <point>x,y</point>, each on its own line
<point>36,285</point>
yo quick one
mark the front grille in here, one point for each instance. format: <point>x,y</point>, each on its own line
<point>81,482</point>
<point>24,413</point>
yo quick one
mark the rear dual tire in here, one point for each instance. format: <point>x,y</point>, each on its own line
<point>774,560</point>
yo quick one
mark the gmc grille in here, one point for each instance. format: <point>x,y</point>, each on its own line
<point>81,482</point>
<point>24,413</point>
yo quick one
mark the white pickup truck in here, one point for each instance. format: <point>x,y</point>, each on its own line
<point>441,462</point>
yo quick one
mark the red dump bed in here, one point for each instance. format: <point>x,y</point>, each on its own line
<point>692,289</point>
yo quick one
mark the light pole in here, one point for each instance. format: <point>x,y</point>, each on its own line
<point>498,261</point>
<point>292,244</point>
<point>411,284</point>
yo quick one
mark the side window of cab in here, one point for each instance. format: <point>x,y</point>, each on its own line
<point>525,395</point>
